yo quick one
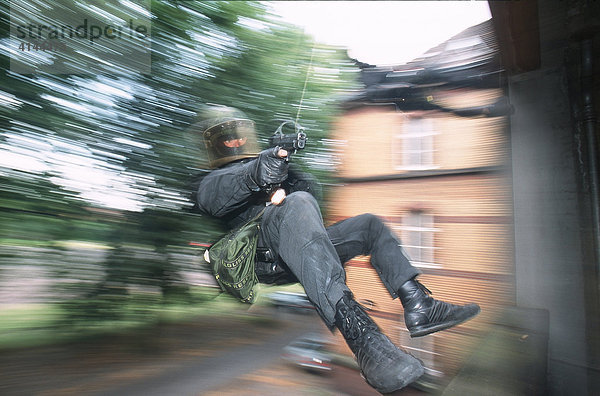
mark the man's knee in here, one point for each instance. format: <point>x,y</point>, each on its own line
<point>297,207</point>
<point>371,221</point>
<point>301,200</point>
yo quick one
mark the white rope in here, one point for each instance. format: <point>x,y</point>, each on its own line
<point>312,52</point>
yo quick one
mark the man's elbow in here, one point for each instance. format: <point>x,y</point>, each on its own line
<point>211,210</point>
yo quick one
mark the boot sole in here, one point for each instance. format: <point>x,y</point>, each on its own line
<point>409,375</point>
<point>425,330</point>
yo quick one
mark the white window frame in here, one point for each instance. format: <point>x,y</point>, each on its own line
<point>425,230</point>
<point>418,132</point>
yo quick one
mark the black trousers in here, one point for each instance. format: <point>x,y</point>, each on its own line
<point>314,255</point>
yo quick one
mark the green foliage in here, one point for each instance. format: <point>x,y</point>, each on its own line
<point>107,155</point>
<point>81,318</point>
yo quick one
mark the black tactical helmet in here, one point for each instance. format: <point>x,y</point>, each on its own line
<point>228,135</point>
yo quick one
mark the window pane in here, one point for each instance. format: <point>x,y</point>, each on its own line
<point>418,238</point>
<point>417,142</point>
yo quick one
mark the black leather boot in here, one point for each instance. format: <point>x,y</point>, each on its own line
<point>425,315</point>
<point>383,365</point>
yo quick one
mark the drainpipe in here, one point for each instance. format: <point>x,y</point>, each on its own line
<point>588,120</point>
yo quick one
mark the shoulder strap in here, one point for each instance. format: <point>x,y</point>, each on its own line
<point>258,215</point>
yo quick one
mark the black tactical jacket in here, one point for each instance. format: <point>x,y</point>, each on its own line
<point>229,193</point>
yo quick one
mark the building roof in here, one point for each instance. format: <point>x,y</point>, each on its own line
<point>468,59</point>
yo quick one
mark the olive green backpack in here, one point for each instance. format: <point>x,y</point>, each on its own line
<point>232,260</point>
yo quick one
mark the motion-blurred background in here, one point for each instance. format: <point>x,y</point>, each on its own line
<point>480,151</point>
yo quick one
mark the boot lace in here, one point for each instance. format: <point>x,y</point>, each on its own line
<point>356,322</point>
<point>440,310</point>
<point>371,347</point>
<point>423,288</point>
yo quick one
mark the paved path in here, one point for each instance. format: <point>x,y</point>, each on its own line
<point>203,374</point>
<point>183,359</point>
<point>221,356</point>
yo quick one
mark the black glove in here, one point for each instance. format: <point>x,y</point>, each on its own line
<point>269,168</point>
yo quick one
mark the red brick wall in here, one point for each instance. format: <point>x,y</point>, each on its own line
<point>472,215</point>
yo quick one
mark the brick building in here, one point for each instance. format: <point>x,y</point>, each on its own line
<point>425,147</point>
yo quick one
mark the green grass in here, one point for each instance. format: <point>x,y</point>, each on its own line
<point>53,323</point>
<point>30,325</point>
<point>24,242</point>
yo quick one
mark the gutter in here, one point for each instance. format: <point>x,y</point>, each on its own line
<point>424,174</point>
<point>588,120</point>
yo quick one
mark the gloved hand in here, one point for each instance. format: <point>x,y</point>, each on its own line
<point>270,167</point>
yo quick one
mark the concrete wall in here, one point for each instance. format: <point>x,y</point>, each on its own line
<point>547,230</point>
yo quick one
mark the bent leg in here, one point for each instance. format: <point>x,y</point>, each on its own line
<point>294,230</point>
<point>367,235</point>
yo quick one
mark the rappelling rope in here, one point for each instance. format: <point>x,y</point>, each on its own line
<point>312,52</point>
